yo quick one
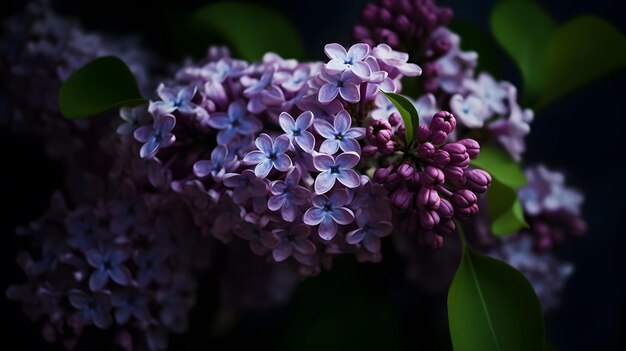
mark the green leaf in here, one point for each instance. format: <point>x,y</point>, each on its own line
<point>249,29</point>
<point>407,111</point>
<point>100,85</point>
<point>523,29</point>
<point>505,209</point>
<point>582,50</point>
<point>491,306</point>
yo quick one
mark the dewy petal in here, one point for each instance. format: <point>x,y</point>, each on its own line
<point>329,146</point>
<point>306,141</point>
<point>282,163</point>
<point>335,51</point>
<point>347,160</point>
<point>327,229</point>
<point>349,178</point>
<point>323,162</point>
<point>342,122</point>
<point>325,129</point>
<point>263,168</point>
<point>313,216</point>
<point>355,236</point>
<point>264,143</point>
<point>305,120</point>
<point>349,92</point>
<point>281,144</point>
<point>361,69</point>
<point>324,182</point>
<point>342,215</point>
<point>328,92</point>
<point>357,52</point>
<point>286,122</point>
<point>254,157</point>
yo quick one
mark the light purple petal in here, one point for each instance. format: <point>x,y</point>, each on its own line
<point>254,157</point>
<point>355,133</point>
<point>325,129</point>
<point>328,92</point>
<point>329,146</point>
<point>149,149</point>
<point>143,133</point>
<point>225,136</point>
<point>381,229</point>
<point>349,92</point>
<point>349,178</point>
<point>357,52</point>
<point>361,69</point>
<point>324,182</point>
<point>335,51</point>
<point>342,215</point>
<point>335,66</point>
<point>323,162</point>
<point>276,202</point>
<point>219,120</point>
<point>202,168</point>
<point>250,125</point>
<point>263,168</point>
<point>165,93</point>
<point>282,163</point>
<point>350,145</point>
<point>347,160</point>
<point>320,201</point>
<point>355,236</point>
<point>305,120</point>
<point>339,198</point>
<point>342,122</point>
<point>281,144</point>
<point>313,216</point>
<point>165,124</point>
<point>327,229</point>
<point>219,154</point>
<point>286,122</point>
<point>237,110</point>
<point>264,143</point>
<point>306,141</point>
<point>289,212</point>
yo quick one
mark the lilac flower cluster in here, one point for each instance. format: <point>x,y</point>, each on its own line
<point>552,210</point>
<point>111,262</point>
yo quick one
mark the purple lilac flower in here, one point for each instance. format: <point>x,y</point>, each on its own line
<point>339,135</point>
<point>326,112</point>
<point>173,99</point>
<point>512,130</point>
<point>270,154</point>
<point>397,60</point>
<point>328,212</point>
<point>245,185</point>
<point>345,84</point>
<point>254,228</point>
<point>352,60</point>
<point>151,266</point>
<point>492,93</point>
<point>157,136</point>
<point>221,163</point>
<point>263,92</point>
<point>93,309</point>
<point>297,130</point>
<point>133,118</point>
<point>331,169</point>
<point>293,240</point>
<point>469,110</point>
<point>108,263</point>
<point>288,196</point>
<point>370,231</point>
<point>234,122</point>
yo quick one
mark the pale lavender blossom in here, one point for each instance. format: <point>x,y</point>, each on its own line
<point>288,195</point>
<point>331,169</point>
<point>133,118</point>
<point>339,135</point>
<point>234,122</point>
<point>345,84</point>
<point>297,130</point>
<point>155,137</point>
<point>270,154</point>
<point>469,110</point>
<point>492,93</point>
<point>263,92</point>
<point>328,212</point>
<point>221,163</point>
<point>370,231</point>
<point>173,99</point>
<point>93,309</point>
<point>352,60</point>
<point>396,60</point>
<point>511,130</point>
<point>326,112</point>
<point>293,240</point>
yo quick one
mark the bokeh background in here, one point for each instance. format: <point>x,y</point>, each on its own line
<point>581,134</point>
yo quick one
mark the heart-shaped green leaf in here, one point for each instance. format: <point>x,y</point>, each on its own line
<point>523,29</point>
<point>582,50</point>
<point>407,111</point>
<point>505,209</point>
<point>249,29</point>
<point>491,306</point>
<point>100,85</point>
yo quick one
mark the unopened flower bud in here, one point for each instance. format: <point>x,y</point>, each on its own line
<point>406,171</point>
<point>432,176</point>
<point>402,198</point>
<point>428,198</point>
<point>465,203</point>
<point>441,159</point>
<point>443,121</point>
<point>477,180</point>
<point>472,147</point>
<point>426,150</point>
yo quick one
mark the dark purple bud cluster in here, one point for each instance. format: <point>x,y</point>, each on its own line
<point>432,183</point>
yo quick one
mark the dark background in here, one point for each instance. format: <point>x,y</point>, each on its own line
<point>581,134</point>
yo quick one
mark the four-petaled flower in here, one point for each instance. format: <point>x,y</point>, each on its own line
<point>351,60</point>
<point>345,84</point>
<point>253,229</point>
<point>339,135</point>
<point>469,110</point>
<point>95,308</point>
<point>294,239</point>
<point>133,119</point>
<point>340,168</point>
<point>288,195</point>
<point>220,163</point>
<point>108,263</point>
<point>235,121</point>
<point>328,212</point>
<point>245,185</point>
<point>297,130</point>
<point>173,99</point>
<point>370,231</point>
<point>269,154</point>
<point>157,136</point>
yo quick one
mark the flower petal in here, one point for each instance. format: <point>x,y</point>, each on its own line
<point>323,162</point>
<point>276,202</point>
<point>372,243</point>
<point>347,160</point>
<point>350,145</point>
<point>325,129</point>
<point>329,146</point>
<point>306,141</point>
<point>355,236</point>
<point>282,252</point>
<point>324,182</point>
<point>120,274</point>
<point>264,143</point>
<point>335,51</point>
<point>349,178</point>
<point>98,280</point>
<point>143,133</point>
<point>357,52</point>
<point>313,216</point>
<point>165,124</point>
<point>263,168</point>
<point>350,92</point>
<point>361,69</point>
<point>342,215</point>
<point>281,144</point>
<point>286,122</point>
<point>149,149</point>
<point>305,120</point>
<point>282,163</point>
<point>327,229</point>
<point>342,122</point>
<point>254,157</point>
<point>328,92</point>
